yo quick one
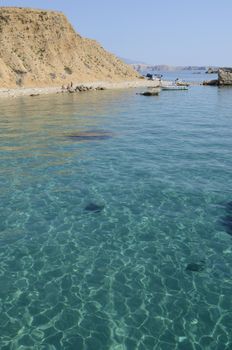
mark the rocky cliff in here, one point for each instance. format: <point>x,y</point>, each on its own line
<point>225,76</point>
<point>40,48</point>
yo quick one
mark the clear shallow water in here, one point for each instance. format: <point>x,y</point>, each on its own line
<point>116,279</point>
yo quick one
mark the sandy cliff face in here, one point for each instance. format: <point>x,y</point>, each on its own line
<point>40,48</point>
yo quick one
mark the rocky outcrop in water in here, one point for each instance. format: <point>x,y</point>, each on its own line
<point>150,93</point>
<point>212,70</point>
<point>225,76</point>
<point>213,82</point>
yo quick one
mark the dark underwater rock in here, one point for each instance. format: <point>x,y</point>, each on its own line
<point>227,223</point>
<point>196,267</point>
<point>229,207</point>
<point>90,136</point>
<point>96,208</point>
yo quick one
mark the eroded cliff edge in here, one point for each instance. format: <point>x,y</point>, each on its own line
<point>41,48</point>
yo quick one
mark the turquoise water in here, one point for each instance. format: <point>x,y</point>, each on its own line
<point>151,269</point>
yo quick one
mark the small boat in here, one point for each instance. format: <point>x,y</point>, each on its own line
<point>182,83</point>
<point>174,87</point>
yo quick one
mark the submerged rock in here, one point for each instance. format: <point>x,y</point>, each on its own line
<point>195,267</point>
<point>227,223</point>
<point>90,136</point>
<point>229,207</point>
<point>96,208</point>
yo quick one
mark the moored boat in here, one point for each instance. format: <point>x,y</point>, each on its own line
<point>182,83</point>
<point>174,87</point>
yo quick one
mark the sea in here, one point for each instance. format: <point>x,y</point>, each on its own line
<point>116,220</point>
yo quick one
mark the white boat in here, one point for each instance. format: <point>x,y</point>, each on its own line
<point>174,87</point>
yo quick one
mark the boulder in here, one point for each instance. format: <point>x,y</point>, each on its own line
<point>213,82</point>
<point>152,92</point>
<point>211,70</point>
<point>149,93</point>
<point>225,76</point>
<point>83,88</point>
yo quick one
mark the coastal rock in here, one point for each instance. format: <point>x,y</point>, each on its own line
<point>71,91</point>
<point>225,76</point>
<point>212,70</point>
<point>149,93</point>
<point>82,88</point>
<point>213,82</point>
<point>154,91</point>
<point>41,48</point>
<point>101,88</point>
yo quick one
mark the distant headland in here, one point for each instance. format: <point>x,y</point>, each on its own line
<point>141,67</point>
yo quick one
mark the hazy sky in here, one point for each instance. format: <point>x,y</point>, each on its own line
<point>178,32</point>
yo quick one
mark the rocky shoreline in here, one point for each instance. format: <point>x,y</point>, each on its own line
<point>225,78</point>
<point>76,88</point>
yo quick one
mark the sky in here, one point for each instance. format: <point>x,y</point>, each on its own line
<point>174,32</point>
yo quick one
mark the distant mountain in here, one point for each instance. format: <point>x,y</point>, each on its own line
<point>142,68</point>
<point>131,62</point>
